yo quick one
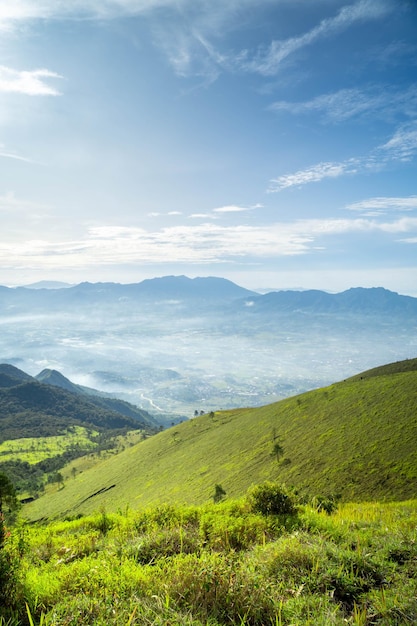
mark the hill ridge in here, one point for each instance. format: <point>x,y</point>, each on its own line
<point>31,408</point>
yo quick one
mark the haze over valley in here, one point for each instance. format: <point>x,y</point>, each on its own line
<point>176,345</point>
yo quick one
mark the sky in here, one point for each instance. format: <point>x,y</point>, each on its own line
<point>270,142</point>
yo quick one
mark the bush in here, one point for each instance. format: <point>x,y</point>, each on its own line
<point>271,499</point>
<point>328,504</point>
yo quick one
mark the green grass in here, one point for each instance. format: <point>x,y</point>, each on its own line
<point>36,449</point>
<point>219,564</point>
<point>356,439</point>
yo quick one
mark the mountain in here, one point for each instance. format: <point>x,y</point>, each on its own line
<point>173,345</point>
<point>210,290</point>
<point>101,399</point>
<point>29,408</point>
<point>356,439</point>
<point>48,284</point>
<point>359,300</point>
<point>10,376</point>
<point>206,290</point>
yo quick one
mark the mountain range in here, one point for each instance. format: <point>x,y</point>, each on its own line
<point>173,345</point>
<point>210,291</point>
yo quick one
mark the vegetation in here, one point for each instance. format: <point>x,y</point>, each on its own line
<point>217,564</point>
<point>140,537</point>
<point>33,409</point>
<point>36,449</point>
<point>355,441</point>
<point>44,427</point>
<point>7,496</point>
<point>32,463</point>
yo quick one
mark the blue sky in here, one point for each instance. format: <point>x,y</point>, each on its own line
<point>272,142</point>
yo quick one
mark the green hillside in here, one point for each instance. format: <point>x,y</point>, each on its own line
<point>356,438</point>
<point>409,365</point>
<point>32,409</point>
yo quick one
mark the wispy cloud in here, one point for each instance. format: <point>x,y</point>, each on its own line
<point>378,101</point>
<point>44,9</point>
<point>201,216</point>
<point>186,42</point>
<point>381,205</point>
<point>17,157</point>
<point>168,213</point>
<point>314,174</point>
<point>402,146</point>
<point>31,83</point>
<point>268,62</point>
<point>232,208</point>
<point>199,244</point>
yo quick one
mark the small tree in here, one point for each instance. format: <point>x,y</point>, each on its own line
<point>219,493</point>
<point>277,451</point>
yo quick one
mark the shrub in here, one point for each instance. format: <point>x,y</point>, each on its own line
<point>328,504</point>
<point>271,499</point>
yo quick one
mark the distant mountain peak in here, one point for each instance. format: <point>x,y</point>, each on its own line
<point>48,284</point>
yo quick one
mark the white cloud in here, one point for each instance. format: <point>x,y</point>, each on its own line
<point>186,42</point>
<point>16,157</point>
<point>231,208</point>
<point>383,204</point>
<point>314,174</point>
<point>401,147</point>
<point>27,82</point>
<point>199,244</point>
<point>268,63</point>
<point>345,104</point>
<point>158,214</point>
<point>211,13</point>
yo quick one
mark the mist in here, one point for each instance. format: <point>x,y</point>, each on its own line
<point>176,356</point>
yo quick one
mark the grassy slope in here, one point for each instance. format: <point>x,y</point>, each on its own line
<point>357,438</point>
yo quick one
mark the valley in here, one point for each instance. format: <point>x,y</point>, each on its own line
<point>172,346</point>
<point>261,488</point>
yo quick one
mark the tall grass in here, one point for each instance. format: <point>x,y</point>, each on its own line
<point>219,564</point>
